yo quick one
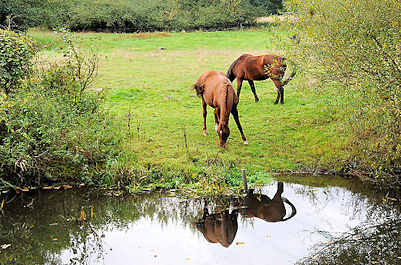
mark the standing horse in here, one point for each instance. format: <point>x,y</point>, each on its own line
<point>249,67</point>
<point>217,91</point>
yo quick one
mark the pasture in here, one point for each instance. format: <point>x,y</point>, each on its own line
<point>147,79</point>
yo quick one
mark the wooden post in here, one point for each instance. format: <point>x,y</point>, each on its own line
<point>244,181</point>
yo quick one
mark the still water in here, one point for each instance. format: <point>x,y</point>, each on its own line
<point>266,227</point>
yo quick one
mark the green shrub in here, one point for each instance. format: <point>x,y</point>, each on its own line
<point>54,129</point>
<point>357,43</point>
<point>16,53</point>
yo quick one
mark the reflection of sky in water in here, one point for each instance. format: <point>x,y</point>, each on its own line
<point>318,209</point>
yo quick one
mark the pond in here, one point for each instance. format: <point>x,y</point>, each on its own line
<point>304,225</point>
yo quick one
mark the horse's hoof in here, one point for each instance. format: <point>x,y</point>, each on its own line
<point>275,103</point>
<point>246,143</point>
<point>204,133</point>
<point>256,100</point>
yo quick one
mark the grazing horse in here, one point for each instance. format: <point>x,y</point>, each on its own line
<point>217,91</point>
<point>250,68</point>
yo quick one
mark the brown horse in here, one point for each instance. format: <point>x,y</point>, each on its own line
<point>218,227</point>
<point>217,91</point>
<point>269,210</point>
<point>250,68</point>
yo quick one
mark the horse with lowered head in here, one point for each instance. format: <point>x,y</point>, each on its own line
<point>217,91</point>
<point>250,68</point>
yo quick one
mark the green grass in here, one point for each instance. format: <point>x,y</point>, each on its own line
<point>153,85</point>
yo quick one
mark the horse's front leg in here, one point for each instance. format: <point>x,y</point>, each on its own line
<point>280,91</point>
<point>253,90</point>
<point>239,85</point>
<point>204,105</point>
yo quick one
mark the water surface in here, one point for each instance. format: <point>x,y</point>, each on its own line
<point>49,227</point>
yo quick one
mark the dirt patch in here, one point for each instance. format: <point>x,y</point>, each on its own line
<point>141,35</point>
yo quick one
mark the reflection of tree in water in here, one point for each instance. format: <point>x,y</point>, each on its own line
<point>365,244</point>
<point>356,201</point>
<point>44,228</point>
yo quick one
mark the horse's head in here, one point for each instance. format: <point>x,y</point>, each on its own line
<point>224,133</point>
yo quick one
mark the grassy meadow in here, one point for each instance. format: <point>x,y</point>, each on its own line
<point>147,79</point>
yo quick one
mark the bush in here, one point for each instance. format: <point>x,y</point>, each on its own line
<point>54,128</point>
<point>357,44</point>
<point>16,53</point>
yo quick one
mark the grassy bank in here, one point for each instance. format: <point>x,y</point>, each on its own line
<point>148,78</point>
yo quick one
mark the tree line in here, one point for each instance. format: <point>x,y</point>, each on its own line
<point>134,15</point>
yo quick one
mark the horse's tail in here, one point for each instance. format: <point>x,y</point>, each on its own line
<point>225,111</point>
<point>199,88</point>
<point>230,73</point>
<point>284,82</point>
<point>227,98</point>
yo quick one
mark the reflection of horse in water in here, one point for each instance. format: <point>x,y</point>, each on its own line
<point>222,227</point>
<point>270,210</point>
<point>219,227</point>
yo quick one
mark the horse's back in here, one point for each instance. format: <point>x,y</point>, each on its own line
<point>218,88</point>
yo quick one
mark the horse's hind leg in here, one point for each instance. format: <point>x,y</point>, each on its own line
<point>280,91</point>
<point>234,111</point>
<point>239,85</point>
<point>253,90</point>
<point>204,116</point>
<point>216,118</point>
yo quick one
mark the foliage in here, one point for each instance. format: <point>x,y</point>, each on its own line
<point>267,7</point>
<point>54,128</point>
<point>357,44</point>
<point>365,244</point>
<point>16,53</point>
<point>131,15</point>
<point>18,15</point>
